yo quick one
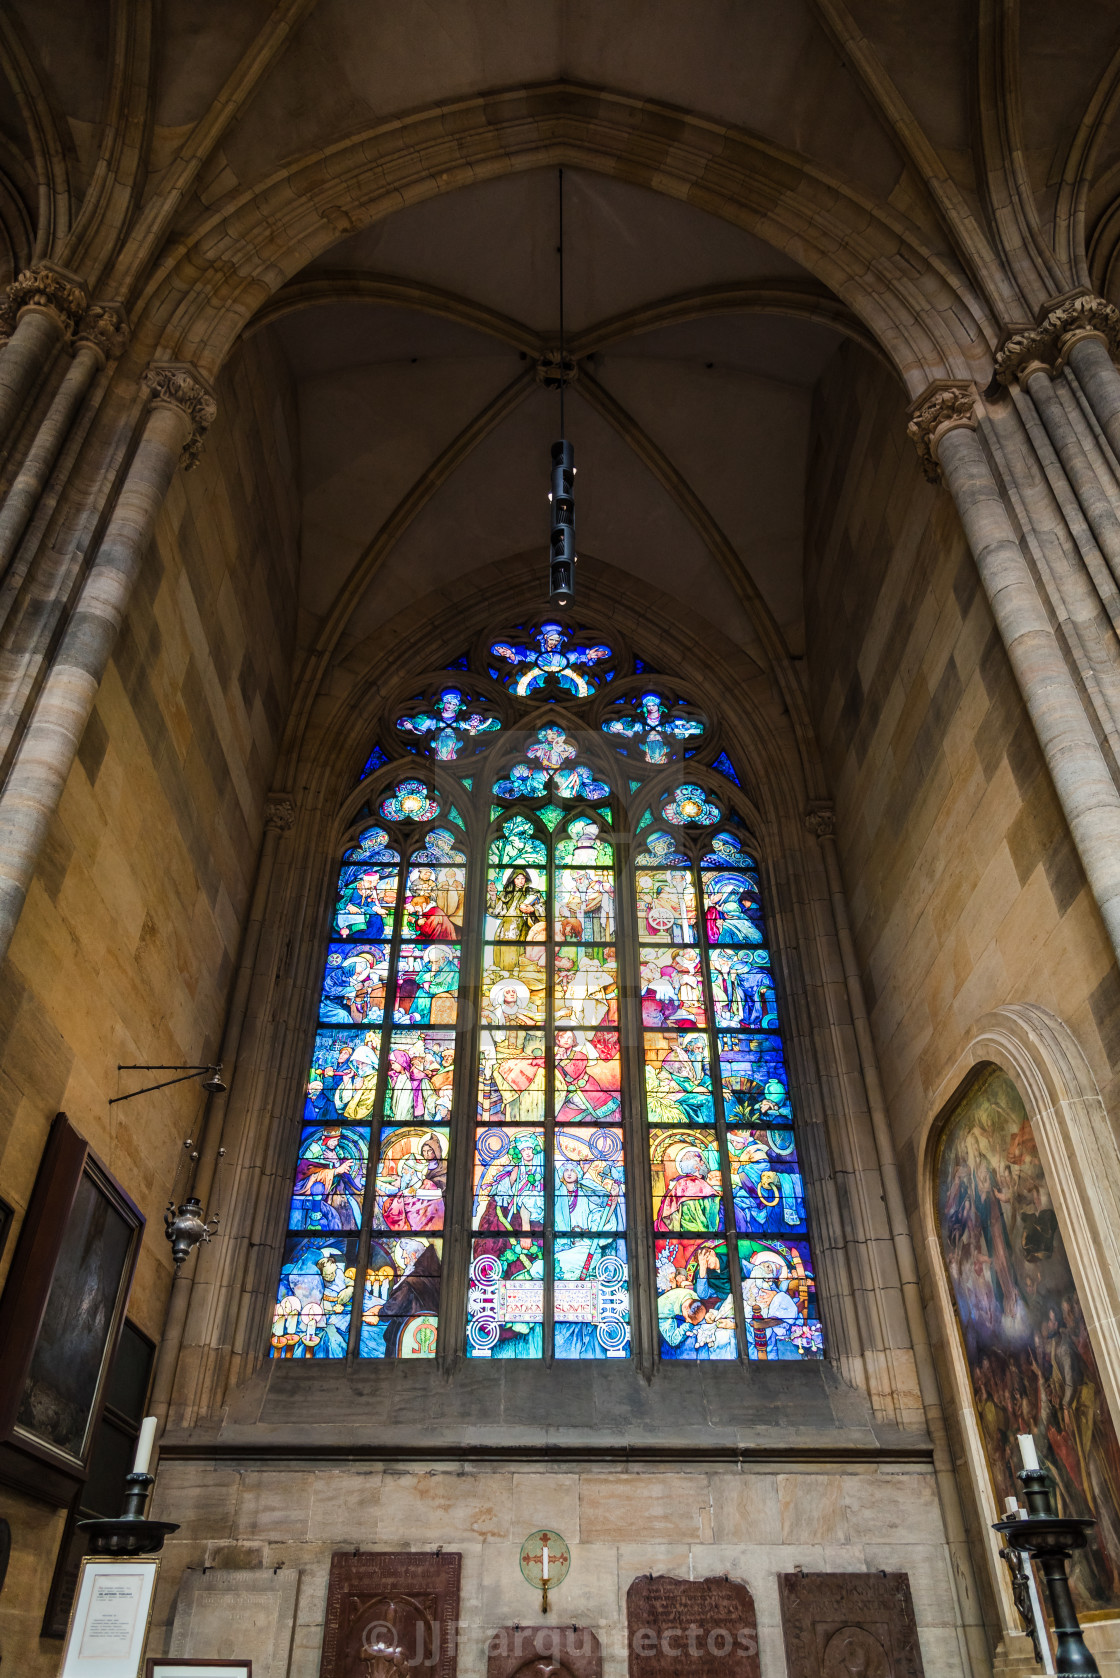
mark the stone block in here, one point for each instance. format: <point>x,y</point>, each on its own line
<point>642,1507</point>
<point>884,1507</point>
<point>274,1505</point>
<point>443,1507</point>
<point>812,1509</point>
<point>202,1500</point>
<point>345,1507</point>
<point>745,1509</point>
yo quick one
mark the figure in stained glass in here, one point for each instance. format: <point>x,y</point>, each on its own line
<point>516,910</point>
<point>590,1181</point>
<point>366,899</point>
<point>508,1182</point>
<point>732,912</point>
<point>755,1082</point>
<point>695,1310</point>
<point>373,846</point>
<point>588,1076</point>
<point>445,729</point>
<point>766,1183</point>
<point>591,1298</point>
<point>311,1318</point>
<point>400,1304</point>
<point>672,987</point>
<point>411,1187</point>
<point>330,1178</point>
<point>653,727</point>
<point>342,1081</point>
<point>552,662</point>
<point>421,1068</point>
<point>585,910</point>
<point>689,806</point>
<point>660,849</point>
<point>779,1299</point>
<point>667,906</point>
<point>433,904</point>
<point>354,984</point>
<point>511,1077</point>
<point>440,846</point>
<point>410,801</point>
<point>678,1078</point>
<point>523,781</point>
<point>586,986</point>
<point>427,985</point>
<point>581,847</point>
<point>743,988</point>
<point>687,1183</point>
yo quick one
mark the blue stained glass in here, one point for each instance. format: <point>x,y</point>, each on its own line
<point>374,761</point>
<point>591,1298</point>
<point>780,1301</point>
<point>367,897</point>
<point>695,1309</point>
<point>660,850</point>
<point>743,989</point>
<point>732,911</point>
<point>311,1317</point>
<point>461,663</point>
<point>354,984</point>
<point>508,1179</point>
<point>640,666</point>
<point>653,726</point>
<point>468,782</point>
<point>634,786</point>
<point>400,1308</point>
<point>755,1081</point>
<point>690,806</point>
<point>645,821</point>
<point>505,1298</point>
<point>373,846</point>
<point>724,765</point>
<point>766,1182</point>
<point>439,846</point>
<point>410,801</point>
<point>342,1081</point>
<point>523,781</point>
<point>330,1178</point>
<point>589,1180</point>
<point>725,850</point>
<point>445,730</point>
<point>558,660</point>
<point>550,816</point>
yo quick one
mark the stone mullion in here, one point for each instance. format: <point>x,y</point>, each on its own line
<point>635,1129</point>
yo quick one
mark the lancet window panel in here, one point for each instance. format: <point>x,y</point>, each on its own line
<point>733,1262</point>
<point>370,1189</point>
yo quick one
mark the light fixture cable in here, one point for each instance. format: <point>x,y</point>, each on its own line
<point>562,536</point>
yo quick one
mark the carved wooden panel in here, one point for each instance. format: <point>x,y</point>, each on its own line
<point>390,1613</point>
<point>839,1624</point>
<point>557,1651</point>
<point>690,1628</point>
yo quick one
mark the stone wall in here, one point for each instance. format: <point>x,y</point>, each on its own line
<point>127,946</point>
<point>751,1525</point>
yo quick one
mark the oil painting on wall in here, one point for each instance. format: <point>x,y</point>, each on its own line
<point>1031,1366</point>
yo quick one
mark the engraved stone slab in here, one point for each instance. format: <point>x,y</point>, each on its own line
<point>390,1612</point>
<point>691,1628</point>
<point>233,1613</point>
<point>537,1651</point>
<point>835,1624</point>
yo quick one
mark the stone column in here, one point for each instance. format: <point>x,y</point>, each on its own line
<point>101,337</point>
<point>43,306</point>
<point>181,409</point>
<point>943,425</point>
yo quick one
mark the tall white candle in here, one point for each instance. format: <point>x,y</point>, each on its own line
<point>544,1561</point>
<point>145,1445</point>
<point>1027,1450</point>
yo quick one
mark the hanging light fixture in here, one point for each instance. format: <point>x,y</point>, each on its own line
<point>562,537</point>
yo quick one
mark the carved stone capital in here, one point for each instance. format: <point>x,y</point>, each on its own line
<point>941,408</point>
<point>103,328</point>
<point>279,812</point>
<point>821,820</point>
<point>45,287</point>
<point>1057,329</point>
<point>179,385</point>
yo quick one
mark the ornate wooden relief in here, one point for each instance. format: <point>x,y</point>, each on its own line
<point>835,1624</point>
<point>390,1612</point>
<point>691,1628</point>
<point>544,1652</point>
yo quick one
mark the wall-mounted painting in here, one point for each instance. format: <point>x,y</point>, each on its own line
<point>1030,1363</point>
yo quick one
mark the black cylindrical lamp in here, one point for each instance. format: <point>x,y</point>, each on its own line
<point>562,539</point>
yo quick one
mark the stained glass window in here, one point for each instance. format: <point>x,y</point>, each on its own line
<point>734,1269</point>
<point>548,1266</point>
<point>371,1175</point>
<point>619,1046</point>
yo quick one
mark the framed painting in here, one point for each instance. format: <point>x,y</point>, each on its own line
<point>60,1316</point>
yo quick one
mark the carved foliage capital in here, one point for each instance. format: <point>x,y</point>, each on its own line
<point>1050,339</point>
<point>279,812</point>
<point>553,369</point>
<point>821,820</point>
<point>944,406</point>
<point>103,328</point>
<point>181,386</point>
<point>49,288</point>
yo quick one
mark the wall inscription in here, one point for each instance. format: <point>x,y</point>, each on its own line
<point>691,1628</point>
<point>544,1652</point>
<point>391,1613</point>
<point>230,1613</point>
<point>836,1624</point>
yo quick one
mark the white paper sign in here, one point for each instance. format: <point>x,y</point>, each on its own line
<point>109,1624</point>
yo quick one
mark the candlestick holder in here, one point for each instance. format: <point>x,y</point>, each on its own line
<point>1050,1540</point>
<point>131,1533</point>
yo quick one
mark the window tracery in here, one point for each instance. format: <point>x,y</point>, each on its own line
<point>506,922</point>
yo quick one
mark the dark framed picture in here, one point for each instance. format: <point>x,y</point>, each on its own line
<point>60,1315</point>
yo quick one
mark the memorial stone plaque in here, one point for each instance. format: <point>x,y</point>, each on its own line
<point>690,1628</point>
<point>835,1624</point>
<point>391,1612</point>
<point>539,1651</point>
<point>234,1613</point>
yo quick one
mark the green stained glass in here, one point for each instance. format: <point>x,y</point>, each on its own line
<point>453,815</point>
<point>550,815</point>
<point>468,782</point>
<point>645,821</point>
<point>634,785</point>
